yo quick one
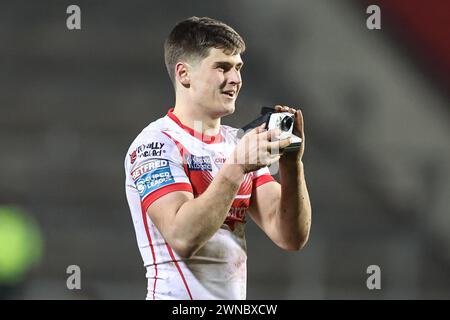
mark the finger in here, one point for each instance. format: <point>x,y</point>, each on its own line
<point>275,147</point>
<point>267,134</point>
<point>284,143</point>
<point>300,123</point>
<point>273,134</point>
<point>266,158</point>
<point>290,110</point>
<point>283,109</point>
<point>278,108</point>
<point>273,159</point>
<point>258,129</point>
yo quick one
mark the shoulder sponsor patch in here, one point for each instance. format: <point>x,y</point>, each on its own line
<point>151,176</point>
<point>148,166</point>
<point>152,149</point>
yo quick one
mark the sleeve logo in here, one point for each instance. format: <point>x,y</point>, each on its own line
<point>152,176</point>
<point>152,149</point>
<point>133,157</point>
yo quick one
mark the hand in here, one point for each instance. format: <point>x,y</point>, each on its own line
<point>257,149</point>
<point>298,131</point>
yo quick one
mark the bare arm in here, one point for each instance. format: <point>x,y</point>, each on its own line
<point>294,211</point>
<point>284,211</point>
<point>187,223</point>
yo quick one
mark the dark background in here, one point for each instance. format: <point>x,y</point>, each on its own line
<point>376,113</point>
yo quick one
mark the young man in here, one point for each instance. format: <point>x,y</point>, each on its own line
<point>187,189</point>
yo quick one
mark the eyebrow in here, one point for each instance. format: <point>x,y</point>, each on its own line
<point>227,64</point>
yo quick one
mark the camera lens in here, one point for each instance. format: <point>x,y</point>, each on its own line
<point>286,123</point>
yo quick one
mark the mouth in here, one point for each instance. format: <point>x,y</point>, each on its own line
<point>230,94</point>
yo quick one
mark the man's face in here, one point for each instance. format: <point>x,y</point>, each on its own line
<point>215,82</point>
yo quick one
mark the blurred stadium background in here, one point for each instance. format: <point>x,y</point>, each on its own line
<point>377,111</point>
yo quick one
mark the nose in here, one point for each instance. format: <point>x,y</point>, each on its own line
<point>235,77</point>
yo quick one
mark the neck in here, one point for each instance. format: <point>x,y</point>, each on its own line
<point>197,119</point>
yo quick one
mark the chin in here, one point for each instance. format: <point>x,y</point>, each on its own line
<point>229,109</point>
<point>225,110</point>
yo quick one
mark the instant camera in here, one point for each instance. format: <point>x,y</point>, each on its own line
<point>273,120</point>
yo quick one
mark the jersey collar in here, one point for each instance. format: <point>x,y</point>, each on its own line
<point>203,137</point>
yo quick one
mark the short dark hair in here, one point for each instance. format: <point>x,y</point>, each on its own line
<point>194,37</point>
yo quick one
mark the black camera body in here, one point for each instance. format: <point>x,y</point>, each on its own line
<point>277,120</point>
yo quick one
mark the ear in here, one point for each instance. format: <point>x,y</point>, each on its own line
<point>182,74</point>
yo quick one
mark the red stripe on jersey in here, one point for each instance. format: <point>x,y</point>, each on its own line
<point>155,195</point>
<point>183,152</point>
<point>246,185</point>
<point>179,269</point>
<point>200,181</point>
<point>202,137</point>
<point>262,179</point>
<point>147,231</point>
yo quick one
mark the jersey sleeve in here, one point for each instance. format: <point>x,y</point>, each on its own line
<point>155,168</point>
<point>261,177</point>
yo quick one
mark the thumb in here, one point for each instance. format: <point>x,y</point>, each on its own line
<point>260,128</point>
<point>256,130</point>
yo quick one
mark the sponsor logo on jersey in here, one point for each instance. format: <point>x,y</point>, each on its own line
<point>133,157</point>
<point>237,213</point>
<point>152,149</point>
<point>149,147</point>
<point>219,160</point>
<point>199,163</point>
<point>148,166</point>
<point>152,176</point>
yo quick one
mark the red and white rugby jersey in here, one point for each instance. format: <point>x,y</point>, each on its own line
<point>166,157</point>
